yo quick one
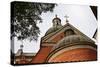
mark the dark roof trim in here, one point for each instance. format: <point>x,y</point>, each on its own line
<point>94,10</point>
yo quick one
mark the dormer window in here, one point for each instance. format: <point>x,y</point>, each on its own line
<point>69,32</point>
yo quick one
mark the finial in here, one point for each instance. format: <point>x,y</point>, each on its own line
<point>56,15</point>
<point>21,46</point>
<point>66,18</point>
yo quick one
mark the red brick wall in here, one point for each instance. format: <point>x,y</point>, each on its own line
<point>22,62</point>
<point>79,54</point>
<point>58,37</point>
<point>42,55</point>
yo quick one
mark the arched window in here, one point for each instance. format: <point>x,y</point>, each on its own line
<point>69,32</point>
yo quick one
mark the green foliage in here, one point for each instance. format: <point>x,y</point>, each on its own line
<point>24,19</point>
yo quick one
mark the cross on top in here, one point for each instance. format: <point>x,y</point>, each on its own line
<point>66,18</point>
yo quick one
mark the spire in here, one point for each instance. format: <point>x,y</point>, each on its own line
<point>56,15</point>
<point>21,48</point>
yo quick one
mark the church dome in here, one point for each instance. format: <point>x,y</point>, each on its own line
<point>73,48</point>
<point>56,18</point>
<point>56,25</point>
<point>52,29</point>
<point>72,39</point>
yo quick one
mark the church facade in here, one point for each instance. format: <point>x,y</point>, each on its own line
<point>64,43</point>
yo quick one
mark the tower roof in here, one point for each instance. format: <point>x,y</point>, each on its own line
<point>56,18</point>
<point>52,29</point>
<point>56,27</point>
<point>73,39</point>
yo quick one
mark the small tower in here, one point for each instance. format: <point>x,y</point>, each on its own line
<point>56,21</point>
<point>56,25</point>
<point>21,49</point>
